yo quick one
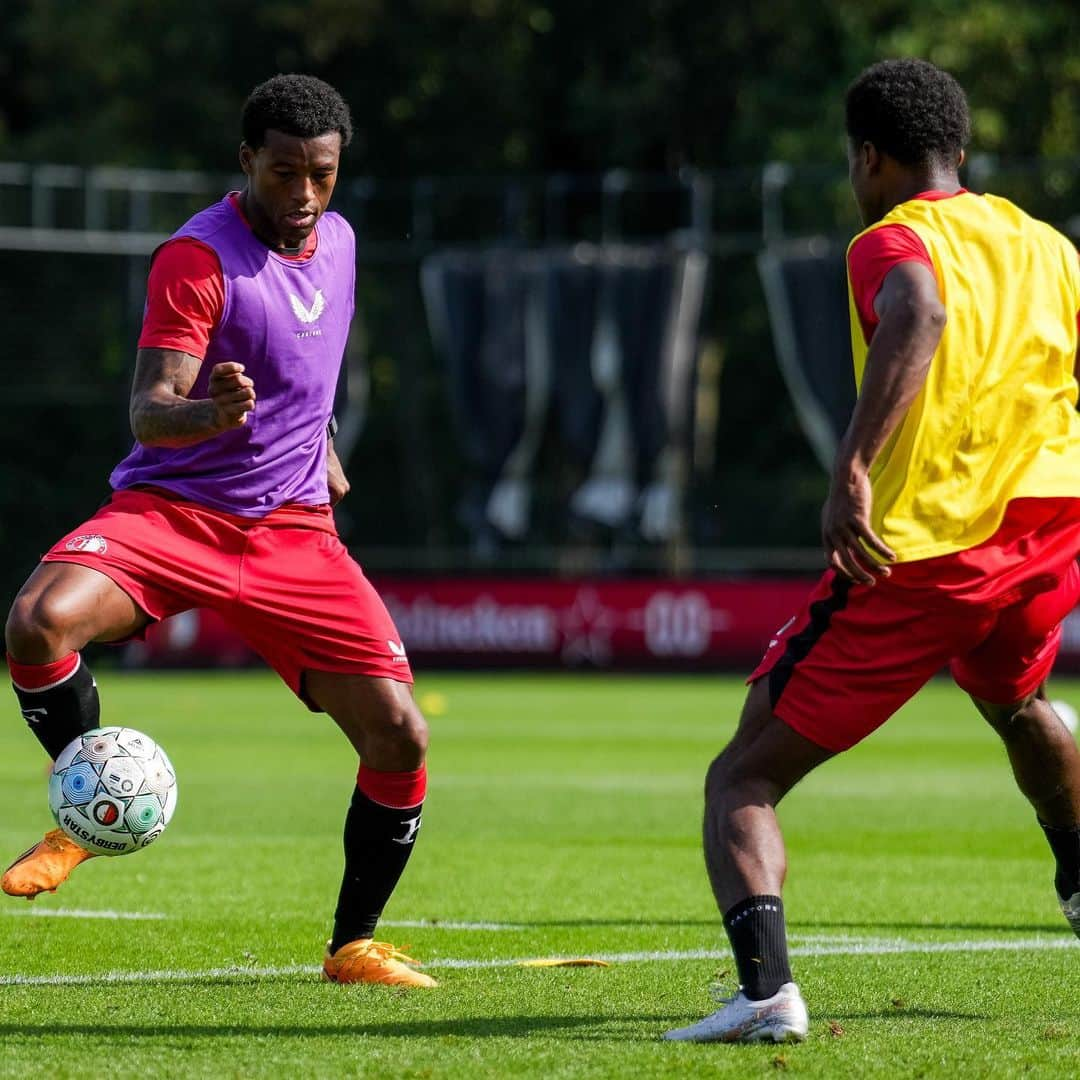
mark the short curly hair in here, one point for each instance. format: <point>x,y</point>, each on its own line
<point>910,110</point>
<point>296,105</point>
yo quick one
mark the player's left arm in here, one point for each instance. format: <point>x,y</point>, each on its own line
<point>911,321</point>
<point>1076,359</point>
<point>336,480</point>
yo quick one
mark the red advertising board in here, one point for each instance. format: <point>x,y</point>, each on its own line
<point>595,623</point>
<point>490,622</point>
<point>590,623</point>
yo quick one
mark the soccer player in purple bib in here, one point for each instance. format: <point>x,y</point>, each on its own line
<point>224,503</point>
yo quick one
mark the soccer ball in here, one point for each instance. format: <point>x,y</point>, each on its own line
<point>112,790</point>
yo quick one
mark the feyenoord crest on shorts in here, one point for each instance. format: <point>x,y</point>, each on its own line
<point>92,542</point>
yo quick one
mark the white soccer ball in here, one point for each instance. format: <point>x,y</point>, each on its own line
<point>1067,713</point>
<point>112,790</point>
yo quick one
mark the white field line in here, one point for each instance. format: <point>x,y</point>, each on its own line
<point>448,924</point>
<point>80,913</point>
<point>853,947</point>
<point>421,924</point>
<point>451,924</point>
<point>132,977</point>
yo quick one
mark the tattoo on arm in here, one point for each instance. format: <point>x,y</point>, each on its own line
<point>161,413</point>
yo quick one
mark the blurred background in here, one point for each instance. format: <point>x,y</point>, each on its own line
<point>600,356</point>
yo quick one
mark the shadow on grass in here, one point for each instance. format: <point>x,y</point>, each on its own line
<point>632,1028</point>
<point>904,1013</point>
<point>540,924</point>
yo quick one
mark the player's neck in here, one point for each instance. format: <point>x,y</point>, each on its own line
<point>258,224</point>
<point>917,182</point>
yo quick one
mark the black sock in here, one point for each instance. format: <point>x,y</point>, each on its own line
<point>1065,844</point>
<point>378,843</point>
<point>755,928</point>
<point>58,714</point>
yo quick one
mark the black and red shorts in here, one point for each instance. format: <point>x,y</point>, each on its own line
<point>855,653</point>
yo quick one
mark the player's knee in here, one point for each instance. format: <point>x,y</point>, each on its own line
<point>734,780</point>
<point>1013,719</point>
<point>722,776</point>
<point>37,625</point>
<point>400,723</point>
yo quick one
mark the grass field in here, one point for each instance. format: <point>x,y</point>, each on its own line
<point>562,821</point>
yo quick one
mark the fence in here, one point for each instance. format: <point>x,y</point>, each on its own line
<point>749,483</point>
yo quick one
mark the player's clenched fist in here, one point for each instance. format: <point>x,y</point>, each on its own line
<point>232,393</point>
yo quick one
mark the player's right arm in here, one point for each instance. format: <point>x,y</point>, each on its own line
<point>899,306</point>
<point>911,321</point>
<point>185,298</point>
<point>161,412</point>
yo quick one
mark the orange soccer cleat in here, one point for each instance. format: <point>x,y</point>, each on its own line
<point>45,866</point>
<point>368,961</point>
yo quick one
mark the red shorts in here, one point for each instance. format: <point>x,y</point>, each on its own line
<point>855,653</point>
<point>284,582</point>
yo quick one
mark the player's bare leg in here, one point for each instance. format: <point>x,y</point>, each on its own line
<point>747,864</point>
<point>60,608</point>
<point>378,716</point>
<point>386,729</point>
<point>744,849</point>
<point>1046,764</point>
<point>63,606</point>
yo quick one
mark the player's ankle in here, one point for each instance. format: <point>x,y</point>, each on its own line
<point>1065,844</point>
<point>758,936</point>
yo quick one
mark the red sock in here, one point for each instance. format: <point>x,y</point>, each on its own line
<point>42,676</point>
<point>59,700</point>
<point>400,790</point>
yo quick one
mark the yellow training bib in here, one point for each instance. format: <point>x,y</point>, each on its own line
<point>996,419</point>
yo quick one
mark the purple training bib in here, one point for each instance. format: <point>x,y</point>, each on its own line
<point>286,321</point>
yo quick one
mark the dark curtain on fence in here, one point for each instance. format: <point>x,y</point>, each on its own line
<point>581,342</point>
<point>806,290</point>
<point>476,313</point>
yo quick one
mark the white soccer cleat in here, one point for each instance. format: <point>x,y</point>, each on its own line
<point>780,1018</point>
<point>1071,910</point>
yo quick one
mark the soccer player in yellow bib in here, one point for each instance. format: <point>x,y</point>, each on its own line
<point>951,528</point>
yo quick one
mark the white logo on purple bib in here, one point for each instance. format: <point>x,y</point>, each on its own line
<point>308,314</point>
